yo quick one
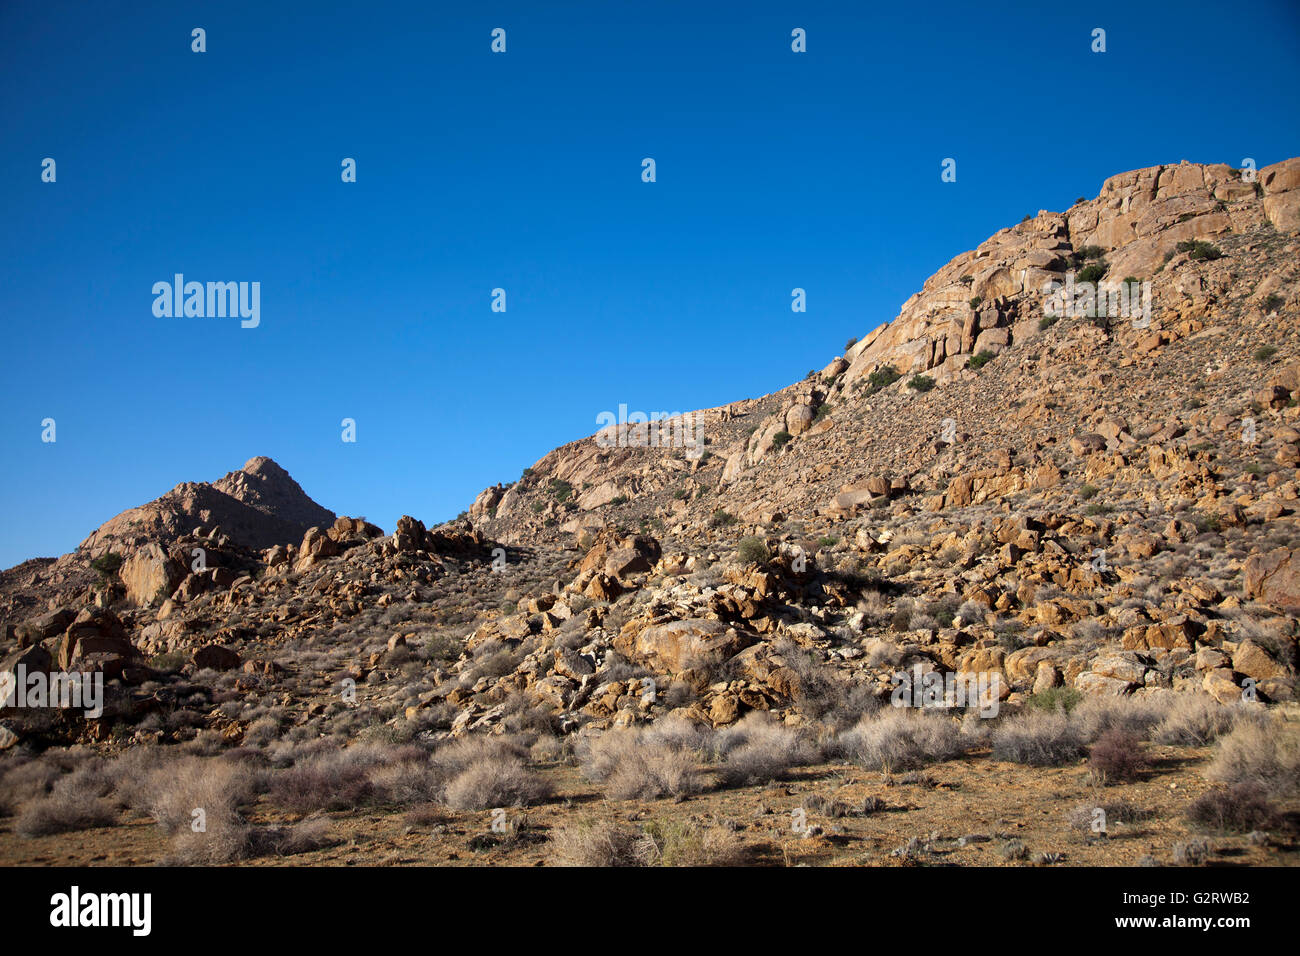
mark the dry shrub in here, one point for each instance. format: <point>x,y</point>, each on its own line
<point>683,843</point>
<point>230,839</point>
<point>1194,720</point>
<point>1243,806</point>
<point>1038,738</point>
<point>1117,756</point>
<point>172,791</point>
<point>1263,751</point>
<point>218,788</point>
<point>645,764</point>
<point>452,758</point>
<point>407,776</point>
<point>900,739</point>
<point>330,780</point>
<point>500,781</point>
<point>595,843</point>
<point>70,805</point>
<point>757,750</point>
<point>25,779</point>
<point>1095,716</point>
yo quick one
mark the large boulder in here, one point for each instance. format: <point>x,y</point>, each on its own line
<point>678,645</point>
<point>1274,578</point>
<point>216,657</point>
<point>150,574</point>
<point>97,641</point>
<point>41,628</point>
<point>316,547</point>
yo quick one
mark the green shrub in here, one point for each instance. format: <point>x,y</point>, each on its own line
<point>1092,272</point>
<point>1046,322</point>
<point>850,343</point>
<point>1057,698</point>
<point>1272,303</point>
<point>560,489</point>
<point>721,518</point>
<point>975,302</point>
<point>921,383</point>
<point>780,438</point>
<point>1264,353</point>
<point>107,564</point>
<point>822,411</point>
<point>1199,250</point>
<point>980,359</point>
<point>753,550</point>
<point>1089,252</point>
<point>883,377</point>
<point>1087,491</point>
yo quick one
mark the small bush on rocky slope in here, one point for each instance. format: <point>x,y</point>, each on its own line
<point>645,764</point>
<point>897,739</point>
<point>501,781</point>
<point>1194,720</point>
<point>684,843</point>
<point>595,843</point>
<point>1243,806</point>
<point>1264,750</point>
<point>1038,738</point>
<point>1117,757</point>
<point>756,750</point>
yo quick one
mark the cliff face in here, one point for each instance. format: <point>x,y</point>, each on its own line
<point>1139,218</point>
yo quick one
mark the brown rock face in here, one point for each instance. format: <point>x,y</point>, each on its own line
<point>1274,577</point>
<point>216,657</point>
<point>682,644</point>
<point>150,572</point>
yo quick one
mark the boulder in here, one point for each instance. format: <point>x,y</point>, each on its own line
<point>216,657</point>
<point>675,646</point>
<point>149,573</point>
<point>1253,661</point>
<point>1274,578</point>
<point>316,547</point>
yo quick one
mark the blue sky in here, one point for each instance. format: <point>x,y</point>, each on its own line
<point>522,171</point>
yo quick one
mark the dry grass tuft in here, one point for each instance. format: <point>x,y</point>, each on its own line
<point>896,739</point>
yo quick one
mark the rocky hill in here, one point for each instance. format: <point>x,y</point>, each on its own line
<point>1097,506</point>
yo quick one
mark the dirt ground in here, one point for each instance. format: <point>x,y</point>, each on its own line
<point>974,797</point>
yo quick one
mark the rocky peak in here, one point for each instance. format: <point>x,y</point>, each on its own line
<point>264,485</point>
<point>257,507</point>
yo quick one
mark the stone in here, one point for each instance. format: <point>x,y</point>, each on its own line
<point>1274,577</point>
<point>216,657</point>
<point>1253,661</point>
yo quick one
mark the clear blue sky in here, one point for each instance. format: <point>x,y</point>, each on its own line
<point>523,171</point>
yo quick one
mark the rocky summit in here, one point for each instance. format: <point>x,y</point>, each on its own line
<point>1016,572</point>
